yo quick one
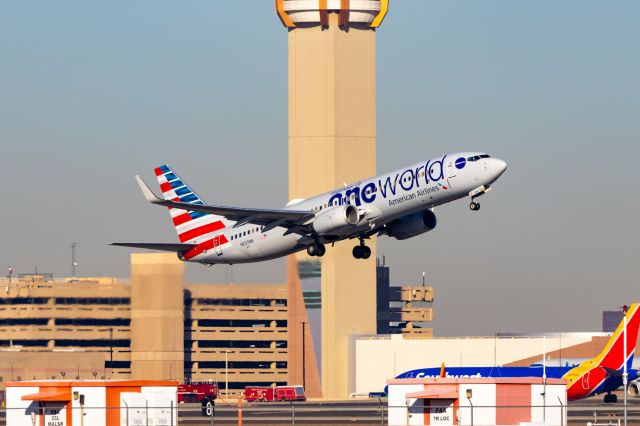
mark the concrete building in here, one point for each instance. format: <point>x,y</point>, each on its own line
<point>157,303</point>
<point>332,139</point>
<point>402,309</point>
<point>610,320</point>
<point>153,327</point>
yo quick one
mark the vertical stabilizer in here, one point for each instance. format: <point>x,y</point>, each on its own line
<point>192,227</point>
<point>612,355</point>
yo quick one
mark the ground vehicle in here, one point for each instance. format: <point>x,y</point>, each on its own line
<point>204,393</point>
<point>377,395</point>
<point>290,393</point>
<point>258,393</point>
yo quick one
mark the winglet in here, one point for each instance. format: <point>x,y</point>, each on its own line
<point>148,194</point>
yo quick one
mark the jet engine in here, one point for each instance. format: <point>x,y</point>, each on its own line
<point>412,225</point>
<point>335,218</point>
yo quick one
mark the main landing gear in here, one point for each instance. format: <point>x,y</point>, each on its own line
<point>474,205</point>
<point>361,251</point>
<point>611,398</point>
<point>316,249</point>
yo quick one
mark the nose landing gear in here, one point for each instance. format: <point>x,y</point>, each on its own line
<point>481,190</point>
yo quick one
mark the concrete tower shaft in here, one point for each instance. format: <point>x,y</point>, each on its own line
<point>157,303</point>
<point>332,139</point>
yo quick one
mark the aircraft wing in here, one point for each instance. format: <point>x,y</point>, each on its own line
<point>242,215</point>
<point>177,248</point>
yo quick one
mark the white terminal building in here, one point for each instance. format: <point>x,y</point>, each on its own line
<point>381,357</point>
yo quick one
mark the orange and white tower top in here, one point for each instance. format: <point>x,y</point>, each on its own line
<point>294,13</point>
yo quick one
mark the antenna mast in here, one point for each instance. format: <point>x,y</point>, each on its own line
<point>74,264</point>
<point>9,274</point>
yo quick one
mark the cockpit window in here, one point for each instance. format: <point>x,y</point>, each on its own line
<point>477,157</point>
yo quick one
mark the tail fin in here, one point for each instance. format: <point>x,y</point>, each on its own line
<point>443,371</point>
<point>612,356</point>
<point>192,227</point>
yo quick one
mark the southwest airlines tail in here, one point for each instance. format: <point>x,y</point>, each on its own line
<point>603,373</point>
<point>613,356</point>
<point>191,226</point>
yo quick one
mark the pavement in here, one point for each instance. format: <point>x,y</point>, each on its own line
<point>335,413</point>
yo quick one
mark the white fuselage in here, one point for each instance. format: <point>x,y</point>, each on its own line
<point>379,200</point>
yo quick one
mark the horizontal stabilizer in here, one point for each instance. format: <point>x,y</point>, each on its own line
<point>611,372</point>
<point>177,248</point>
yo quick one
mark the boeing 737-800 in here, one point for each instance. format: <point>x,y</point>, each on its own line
<point>398,204</point>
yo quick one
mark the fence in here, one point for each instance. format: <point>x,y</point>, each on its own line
<point>336,413</point>
<point>434,412</point>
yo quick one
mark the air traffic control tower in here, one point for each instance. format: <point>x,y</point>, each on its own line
<point>332,140</point>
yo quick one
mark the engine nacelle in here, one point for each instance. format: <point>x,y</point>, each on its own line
<point>336,218</point>
<point>412,225</point>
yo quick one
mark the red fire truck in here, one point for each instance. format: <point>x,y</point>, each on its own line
<point>199,392</point>
<point>258,393</point>
<point>279,393</point>
<point>290,393</point>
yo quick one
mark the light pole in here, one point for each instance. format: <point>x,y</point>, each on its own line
<point>304,364</point>
<point>544,378</point>
<point>226,373</point>
<point>469,396</point>
<point>625,375</point>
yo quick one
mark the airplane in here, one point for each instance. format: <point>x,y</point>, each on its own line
<point>398,204</point>
<point>595,376</point>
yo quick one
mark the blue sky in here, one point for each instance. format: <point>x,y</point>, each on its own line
<point>93,93</point>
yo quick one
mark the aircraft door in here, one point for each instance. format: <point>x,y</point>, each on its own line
<point>217,246</point>
<point>585,380</point>
<point>451,168</point>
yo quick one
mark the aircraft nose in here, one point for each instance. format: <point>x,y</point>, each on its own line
<point>497,167</point>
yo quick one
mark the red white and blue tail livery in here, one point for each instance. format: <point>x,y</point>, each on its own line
<point>398,204</point>
<point>190,225</point>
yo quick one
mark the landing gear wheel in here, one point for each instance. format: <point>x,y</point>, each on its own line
<point>365,253</point>
<point>610,398</point>
<point>316,249</point>
<point>474,206</point>
<point>361,252</point>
